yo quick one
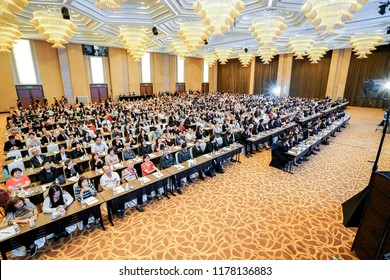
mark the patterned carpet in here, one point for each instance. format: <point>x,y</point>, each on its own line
<point>251,212</point>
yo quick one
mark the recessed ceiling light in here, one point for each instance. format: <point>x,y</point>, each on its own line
<point>142,3</point>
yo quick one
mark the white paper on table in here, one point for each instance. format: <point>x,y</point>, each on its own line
<point>73,179</point>
<point>144,179</point>
<point>138,159</point>
<point>91,200</point>
<point>158,175</point>
<point>117,166</point>
<point>152,155</point>
<point>179,166</point>
<point>227,149</point>
<point>119,189</point>
<point>6,232</point>
<point>207,156</point>
<point>44,187</point>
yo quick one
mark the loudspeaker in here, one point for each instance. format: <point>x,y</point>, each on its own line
<point>372,240</point>
<point>154,30</point>
<point>65,13</point>
<point>246,50</point>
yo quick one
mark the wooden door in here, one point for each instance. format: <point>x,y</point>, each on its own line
<point>180,87</point>
<point>146,89</point>
<point>28,93</point>
<point>205,87</point>
<point>99,92</point>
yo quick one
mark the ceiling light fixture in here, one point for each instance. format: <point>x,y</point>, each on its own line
<point>267,54</point>
<point>223,54</point>
<point>218,15</point>
<point>134,39</point>
<point>363,44</point>
<point>245,58</point>
<point>180,48</point>
<point>329,14</point>
<point>300,46</point>
<point>316,53</point>
<point>267,29</point>
<point>9,7</point>
<point>51,25</point>
<point>193,34</point>
<point>9,34</point>
<point>109,5</point>
<point>210,58</point>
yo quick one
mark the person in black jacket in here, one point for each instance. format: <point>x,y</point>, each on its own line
<point>79,151</point>
<point>48,138</point>
<point>201,133</point>
<point>96,162</point>
<point>166,161</point>
<point>211,147</point>
<point>62,156</point>
<point>247,144</point>
<point>37,160</point>
<point>282,147</point>
<point>12,144</point>
<point>197,152</point>
<point>145,148</point>
<point>71,169</point>
<point>48,174</point>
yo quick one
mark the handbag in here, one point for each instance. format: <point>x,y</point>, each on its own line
<point>61,179</point>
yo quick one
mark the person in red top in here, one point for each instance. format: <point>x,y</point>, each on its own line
<point>18,181</point>
<point>148,168</point>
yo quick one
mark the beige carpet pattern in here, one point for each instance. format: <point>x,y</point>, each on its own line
<point>251,212</point>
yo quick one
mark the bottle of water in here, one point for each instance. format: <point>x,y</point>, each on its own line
<point>31,170</point>
<point>5,173</point>
<point>56,181</point>
<point>96,170</point>
<point>16,227</point>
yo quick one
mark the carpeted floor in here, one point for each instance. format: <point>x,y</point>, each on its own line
<point>252,211</point>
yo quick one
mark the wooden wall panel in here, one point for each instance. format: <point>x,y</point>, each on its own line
<point>7,84</point>
<point>310,80</point>
<point>233,77</point>
<point>376,66</point>
<point>265,75</point>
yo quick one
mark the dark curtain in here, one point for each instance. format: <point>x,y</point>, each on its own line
<point>376,67</point>
<point>265,75</point>
<point>310,80</point>
<point>233,77</point>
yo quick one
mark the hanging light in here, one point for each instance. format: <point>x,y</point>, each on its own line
<point>193,34</point>
<point>9,33</point>
<point>134,39</point>
<point>223,54</point>
<point>327,15</point>
<point>300,46</point>
<point>210,58</point>
<point>218,15</point>
<point>52,26</point>
<point>245,58</point>
<point>363,44</point>
<point>109,5</point>
<point>316,53</point>
<point>267,54</point>
<point>9,7</point>
<point>180,48</point>
<point>267,29</point>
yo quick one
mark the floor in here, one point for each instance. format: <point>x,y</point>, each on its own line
<point>251,212</point>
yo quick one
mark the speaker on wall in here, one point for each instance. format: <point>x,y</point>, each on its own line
<point>372,239</point>
<point>65,13</point>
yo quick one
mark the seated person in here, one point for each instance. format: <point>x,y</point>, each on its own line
<point>128,153</point>
<point>201,133</point>
<point>72,142</point>
<point>147,168</point>
<point>180,139</point>
<point>57,200</point>
<point>144,149</point>
<point>112,158</point>
<point>18,181</point>
<point>48,138</point>
<point>71,169</point>
<point>246,134</point>
<point>118,144</point>
<point>211,147</point>
<point>48,174</point>
<point>197,152</point>
<point>32,140</point>
<point>62,156</point>
<point>131,140</point>
<point>79,151</point>
<point>96,162</point>
<point>108,181</point>
<point>87,138</point>
<point>12,144</point>
<point>37,159</point>
<point>83,190</point>
<point>99,146</point>
<point>166,161</point>
<point>129,174</point>
<point>185,155</point>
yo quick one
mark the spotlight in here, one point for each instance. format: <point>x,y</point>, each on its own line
<point>154,30</point>
<point>276,91</point>
<point>65,13</point>
<point>205,42</point>
<point>387,85</point>
<point>246,50</point>
<point>382,7</point>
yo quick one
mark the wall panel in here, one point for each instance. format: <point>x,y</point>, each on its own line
<point>233,77</point>
<point>265,75</point>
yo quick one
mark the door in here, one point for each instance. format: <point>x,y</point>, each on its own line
<point>99,93</point>
<point>28,94</point>
<point>205,87</point>
<point>146,89</point>
<point>180,87</point>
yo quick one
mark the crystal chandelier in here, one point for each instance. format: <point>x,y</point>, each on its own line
<point>180,48</point>
<point>9,7</point>
<point>193,34</point>
<point>52,26</point>
<point>245,58</point>
<point>9,33</point>
<point>223,54</point>
<point>327,15</point>
<point>300,46</point>
<point>267,54</point>
<point>316,53</point>
<point>109,5</point>
<point>134,39</point>
<point>267,29</point>
<point>210,58</point>
<point>218,15</point>
<point>363,44</point>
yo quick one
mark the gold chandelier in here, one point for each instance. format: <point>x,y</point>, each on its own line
<point>223,54</point>
<point>134,39</point>
<point>52,26</point>
<point>327,15</point>
<point>210,58</point>
<point>245,58</point>
<point>109,5</point>
<point>193,34</point>
<point>267,29</point>
<point>316,53</point>
<point>267,54</point>
<point>9,33</point>
<point>9,7</point>
<point>363,44</point>
<point>300,46</point>
<point>218,15</point>
<point>180,48</point>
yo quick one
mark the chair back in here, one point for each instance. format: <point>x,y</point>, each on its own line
<point>16,164</point>
<point>177,157</point>
<point>30,150</point>
<point>219,141</point>
<point>52,147</point>
<point>203,146</point>
<point>14,153</point>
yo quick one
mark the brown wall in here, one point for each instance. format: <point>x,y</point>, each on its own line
<point>78,71</point>
<point>193,73</point>
<point>118,70</point>
<point>233,77</point>
<point>172,73</point>
<point>265,75</point>
<point>160,70</point>
<point>134,74</point>
<point>7,84</point>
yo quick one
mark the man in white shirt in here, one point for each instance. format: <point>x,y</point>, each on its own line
<point>108,181</point>
<point>32,140</point>
<point>99,146</point>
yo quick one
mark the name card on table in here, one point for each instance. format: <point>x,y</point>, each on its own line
<point>152,155</point>
<point>91,200</point>
<point>73,179</point>
<point>207,156</point>
<point>137,159</point>
<point>119,189</point>
<point>144,179</point>
<point>158,175</point>
<point>179,166</point>
<point>118,165</point>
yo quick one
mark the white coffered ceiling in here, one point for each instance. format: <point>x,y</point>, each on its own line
<point>97,27</point>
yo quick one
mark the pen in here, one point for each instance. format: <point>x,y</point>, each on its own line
<point>5,232</point>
